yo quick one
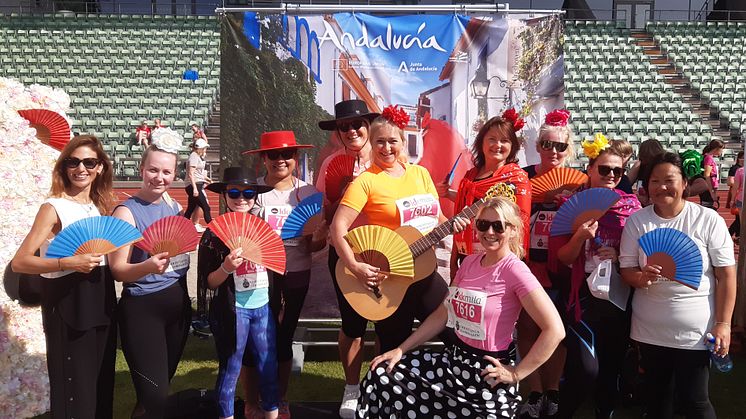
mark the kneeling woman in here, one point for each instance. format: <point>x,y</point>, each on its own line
<point>240,317</point>
<point>476,376</point>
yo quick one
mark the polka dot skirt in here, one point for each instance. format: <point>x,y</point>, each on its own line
<point>428,384</point>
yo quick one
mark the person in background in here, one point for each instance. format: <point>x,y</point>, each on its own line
<point>279,153</point>
<point>598,336</point>
<point>198,133</point>
<point>78,298</point>
<point>352,126</point>
<point>142,134</point>
<point>197,179</point>
<point>157,124</point>
<point>155,309</point>
<point>711,172</point>
<point>638,173</point>
<point>735,197</point>
<point>555,147</point>
<point>669,320</point>
<point>476,375</point>
<point>240,318</point>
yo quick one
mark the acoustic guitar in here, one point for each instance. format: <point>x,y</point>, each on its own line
<point>383,301</point>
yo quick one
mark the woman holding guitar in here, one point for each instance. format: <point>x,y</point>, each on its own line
<point>392,194</point>
<point>476,375</point>
<point>494,151</point>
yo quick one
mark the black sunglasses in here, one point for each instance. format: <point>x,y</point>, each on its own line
<point>345,126</point>
<point>604,170</point>
<point>484,225</point>
<point>548,145</point>
<point>236,193</point>
<point>286,154</point>
<point>88,163</point>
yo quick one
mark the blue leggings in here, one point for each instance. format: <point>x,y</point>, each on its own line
<point>255,329</point>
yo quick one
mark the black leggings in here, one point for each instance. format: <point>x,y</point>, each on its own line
<point>200,200</point>
<point>683,372</point>
<point>596,347</point>
<point>286,301</point>
<point>353,324</point>
<point>735,227</point>
<point>153,330</point>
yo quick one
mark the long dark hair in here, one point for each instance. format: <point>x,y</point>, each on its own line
<point>713,145</point>
<point>505,129</point>
<point>101,193</point>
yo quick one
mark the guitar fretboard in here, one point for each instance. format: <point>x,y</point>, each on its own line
<point>432,238</point>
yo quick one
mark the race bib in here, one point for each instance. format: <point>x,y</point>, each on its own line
<point>275,216</point>
<point>249,276</point>
<point>466,312</point>
<point>178,263</point>
<point>541,221</point>
<point>419,211</point>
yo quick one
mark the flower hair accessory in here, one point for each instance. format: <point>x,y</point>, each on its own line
<point>512,116</point>
<point>593,148</point>
<point>557,118</point>
<point>168,140</point>
<point>396,115</point>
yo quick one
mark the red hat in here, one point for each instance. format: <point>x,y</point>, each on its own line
<point>274,140</point>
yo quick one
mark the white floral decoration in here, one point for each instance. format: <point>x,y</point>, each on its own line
<point>168,140</point>
<point>25,179</point>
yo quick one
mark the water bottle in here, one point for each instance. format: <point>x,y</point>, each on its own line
<point>723,364</point>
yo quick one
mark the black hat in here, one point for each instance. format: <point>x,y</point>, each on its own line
<point>237,176</point>
<point>348,109</point>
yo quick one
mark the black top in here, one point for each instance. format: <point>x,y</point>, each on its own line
<point>732,170</point>
<point>84,301</point>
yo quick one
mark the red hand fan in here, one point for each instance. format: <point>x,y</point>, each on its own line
<point>259,242</point>
<point>51,128</point>
<point>339,173</point>
<point>556,180</point>
<point>174,234</point>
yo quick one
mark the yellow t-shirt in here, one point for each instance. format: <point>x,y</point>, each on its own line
<point>376,194</point>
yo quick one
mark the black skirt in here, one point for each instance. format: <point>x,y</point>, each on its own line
<point>428,384</point>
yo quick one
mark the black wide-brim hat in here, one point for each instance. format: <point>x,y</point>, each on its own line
<point>348,109</point>
<point>237,176</point>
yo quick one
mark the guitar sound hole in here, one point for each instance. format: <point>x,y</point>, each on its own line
<point>377,259</point>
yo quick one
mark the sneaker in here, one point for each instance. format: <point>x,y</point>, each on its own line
<point>532,408</point>
<point>284,411</point>
<point>549,406</point>
<point>348,407</point>
<point>199,228</point>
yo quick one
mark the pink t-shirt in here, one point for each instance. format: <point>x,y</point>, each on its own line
<point>714,175</point>
<point>484,303</point>
<point>739,179</point>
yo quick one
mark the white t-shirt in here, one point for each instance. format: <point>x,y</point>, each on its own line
<point>282,203</point>
<point>667,313</point>
<point>196,161</point>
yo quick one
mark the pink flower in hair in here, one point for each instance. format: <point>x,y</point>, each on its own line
<point>557,118</point>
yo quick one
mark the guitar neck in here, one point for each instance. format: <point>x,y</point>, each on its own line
<point>432,238</point>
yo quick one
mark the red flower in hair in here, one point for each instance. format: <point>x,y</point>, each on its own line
<point>396,115</point>
<point>557,118</point>
<point>512,116</point>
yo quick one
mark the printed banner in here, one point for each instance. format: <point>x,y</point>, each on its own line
<point>449,72</point>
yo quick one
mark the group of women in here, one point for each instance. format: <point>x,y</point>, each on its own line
<point>506,273</point>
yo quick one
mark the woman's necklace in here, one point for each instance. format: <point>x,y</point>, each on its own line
<point>88,207</point>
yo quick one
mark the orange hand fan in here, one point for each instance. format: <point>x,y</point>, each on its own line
<point>556,180</point>
<point>51,128</point>
<point>259,242</point>
<point>174,234</point>
<point>339,173</point>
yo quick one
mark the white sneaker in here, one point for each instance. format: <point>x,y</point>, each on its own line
<point>348,408</point>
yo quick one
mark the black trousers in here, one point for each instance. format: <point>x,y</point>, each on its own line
<point>81,368</point>
<point>353,324</point>
<point>683,372</point>
<point>288,293</point>
<point>199,201</point>
<point>153,330</point>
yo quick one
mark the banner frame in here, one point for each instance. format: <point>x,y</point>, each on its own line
<point>294,8</point>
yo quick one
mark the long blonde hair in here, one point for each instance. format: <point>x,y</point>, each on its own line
<point>509,213</point>
<point>377,125</point>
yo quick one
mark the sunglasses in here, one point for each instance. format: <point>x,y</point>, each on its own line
<point>286,154</point>
<point>604,170</point>
<point>236,193</point>
<point>345,126</point>
<point>484,225</point>
<point>74,162</point>
<point>548,145</point>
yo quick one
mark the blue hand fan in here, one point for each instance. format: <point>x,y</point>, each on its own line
<point>103,235</point>
<point>676,253</point>
<point>452,173</point>
<point>581,207</point>
<point>300,219</point>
